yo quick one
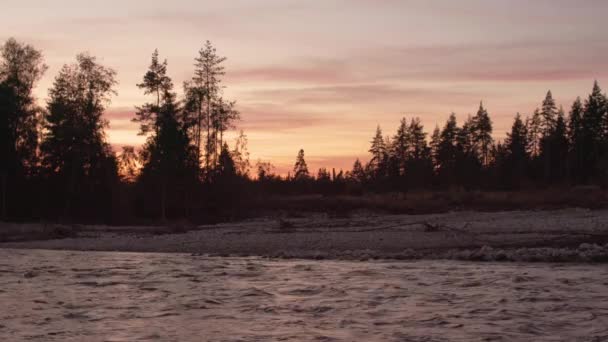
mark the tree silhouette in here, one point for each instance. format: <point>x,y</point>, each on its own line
<point>481,129</point>
<point>378,165</point>
<point>548,115</point>
<point>21,67</point>
<point>518,156</point>
<point>593,134</point>
<point>169,159</point>
<point>358,173</point>
<point>207,84</point>
<point>74,151</point>
<point>576,141</point>
<point>157,83</point>
<point>300,169</point>
<point>447,151</point>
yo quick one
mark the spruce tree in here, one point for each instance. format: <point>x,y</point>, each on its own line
<point>300,169</point>
<point>434,145</point>
<point>401,146</point>
<point>481,130</point>
<point>517,152</point>
<point>592,140</point>
<point>548,115</point>
<point>419,163</point>
<point>446,150</point>
<point>358,173</point>
<point>379,151</point>
<point>576,140</point>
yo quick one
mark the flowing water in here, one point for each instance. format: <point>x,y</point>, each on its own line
<point>111,296</point>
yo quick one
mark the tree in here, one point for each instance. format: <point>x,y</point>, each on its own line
<point>21,67</point>
<point>534,129</point>
<point>240,155</point>
<point>434,145</point>
<point>576,140</point>
<point>169,159</point>
<point>379,162</point>
<point>481,130</point>
<point>419,163</point>
<point>400,147</point>
<point>548,115</point>
<point>223,116</point>
<point>467,164</point>
<point>300,169</point>
<point>157,83</point>
<point>592,134</point>
<point>517,152</point>
<point>446,149</point>
<point>74,151</point>
<point>323,175</point>
<point>358,173</point>
<point>226,166</point>
<point>206,81</point>
<point>264,170</point>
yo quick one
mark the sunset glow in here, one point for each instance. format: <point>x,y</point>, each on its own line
<point>320,75</point>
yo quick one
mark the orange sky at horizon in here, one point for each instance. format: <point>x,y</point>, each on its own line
<point>320,75</point>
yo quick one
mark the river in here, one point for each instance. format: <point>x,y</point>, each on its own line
<point>115,296</point>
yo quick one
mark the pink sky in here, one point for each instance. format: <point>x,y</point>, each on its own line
<point>320,75</point>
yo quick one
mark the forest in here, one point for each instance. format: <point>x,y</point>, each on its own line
<point>57,165</point>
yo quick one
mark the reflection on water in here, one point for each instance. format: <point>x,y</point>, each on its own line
<point>92,296</point>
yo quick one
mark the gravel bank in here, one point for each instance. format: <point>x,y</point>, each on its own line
<point>562,235</point>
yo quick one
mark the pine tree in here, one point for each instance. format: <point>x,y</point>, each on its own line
<point>223,116</point>
<point>155,82</point>
<point>169,160</point>
<point>207,80</point>
<point>300,169</point>
<point>74,149</point>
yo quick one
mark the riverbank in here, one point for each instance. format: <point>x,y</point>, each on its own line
<point>559,235</point>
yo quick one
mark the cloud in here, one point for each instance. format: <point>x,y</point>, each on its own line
<point>319,72</point>
<point>270,117</point>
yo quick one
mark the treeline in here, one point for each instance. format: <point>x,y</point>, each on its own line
<point>57,164</point>
<point>546,149</point>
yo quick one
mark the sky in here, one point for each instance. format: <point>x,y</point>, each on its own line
<point>322,74</point>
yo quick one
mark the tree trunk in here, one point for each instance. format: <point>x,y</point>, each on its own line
<point>4,190</point>
<point>163,200</point>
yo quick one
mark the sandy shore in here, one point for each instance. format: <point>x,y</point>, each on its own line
<point>562,235</point>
